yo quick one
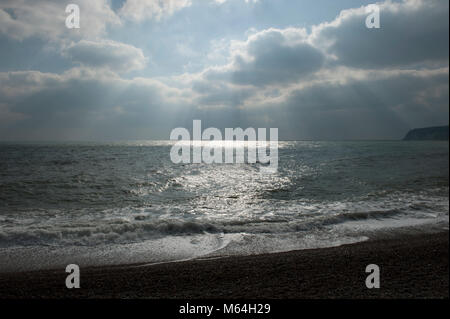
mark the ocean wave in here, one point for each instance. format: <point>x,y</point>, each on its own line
<point>112,232</point>
<point>128,226</point>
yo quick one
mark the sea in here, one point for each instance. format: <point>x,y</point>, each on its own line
<point>120,203</point>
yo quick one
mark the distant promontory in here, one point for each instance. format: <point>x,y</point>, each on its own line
<point>436,133</point>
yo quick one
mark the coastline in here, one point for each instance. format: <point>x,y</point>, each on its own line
<point>411,266</point>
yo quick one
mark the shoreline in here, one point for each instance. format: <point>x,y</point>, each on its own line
<point>411,266</point>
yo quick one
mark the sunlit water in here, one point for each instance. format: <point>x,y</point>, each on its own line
<point>95,204</point>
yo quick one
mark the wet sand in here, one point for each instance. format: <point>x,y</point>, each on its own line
<point>412,266</point>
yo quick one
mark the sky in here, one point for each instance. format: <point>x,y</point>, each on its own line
<point>136,69</point>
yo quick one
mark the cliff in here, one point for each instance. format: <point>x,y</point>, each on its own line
<point>437,133</point>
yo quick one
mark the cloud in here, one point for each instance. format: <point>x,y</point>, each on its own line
<point>411,32</point>
<point>116,56</point>
<point>268,57</point>
<point>139,10</point>
<point>335,80</point>
<point>341,80</point>
<point>371,105</point>
<point>277,61</point>
<point>381,104</point>
<point>276,56</point>
<point>21,19</point>
<point>86,103</point>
